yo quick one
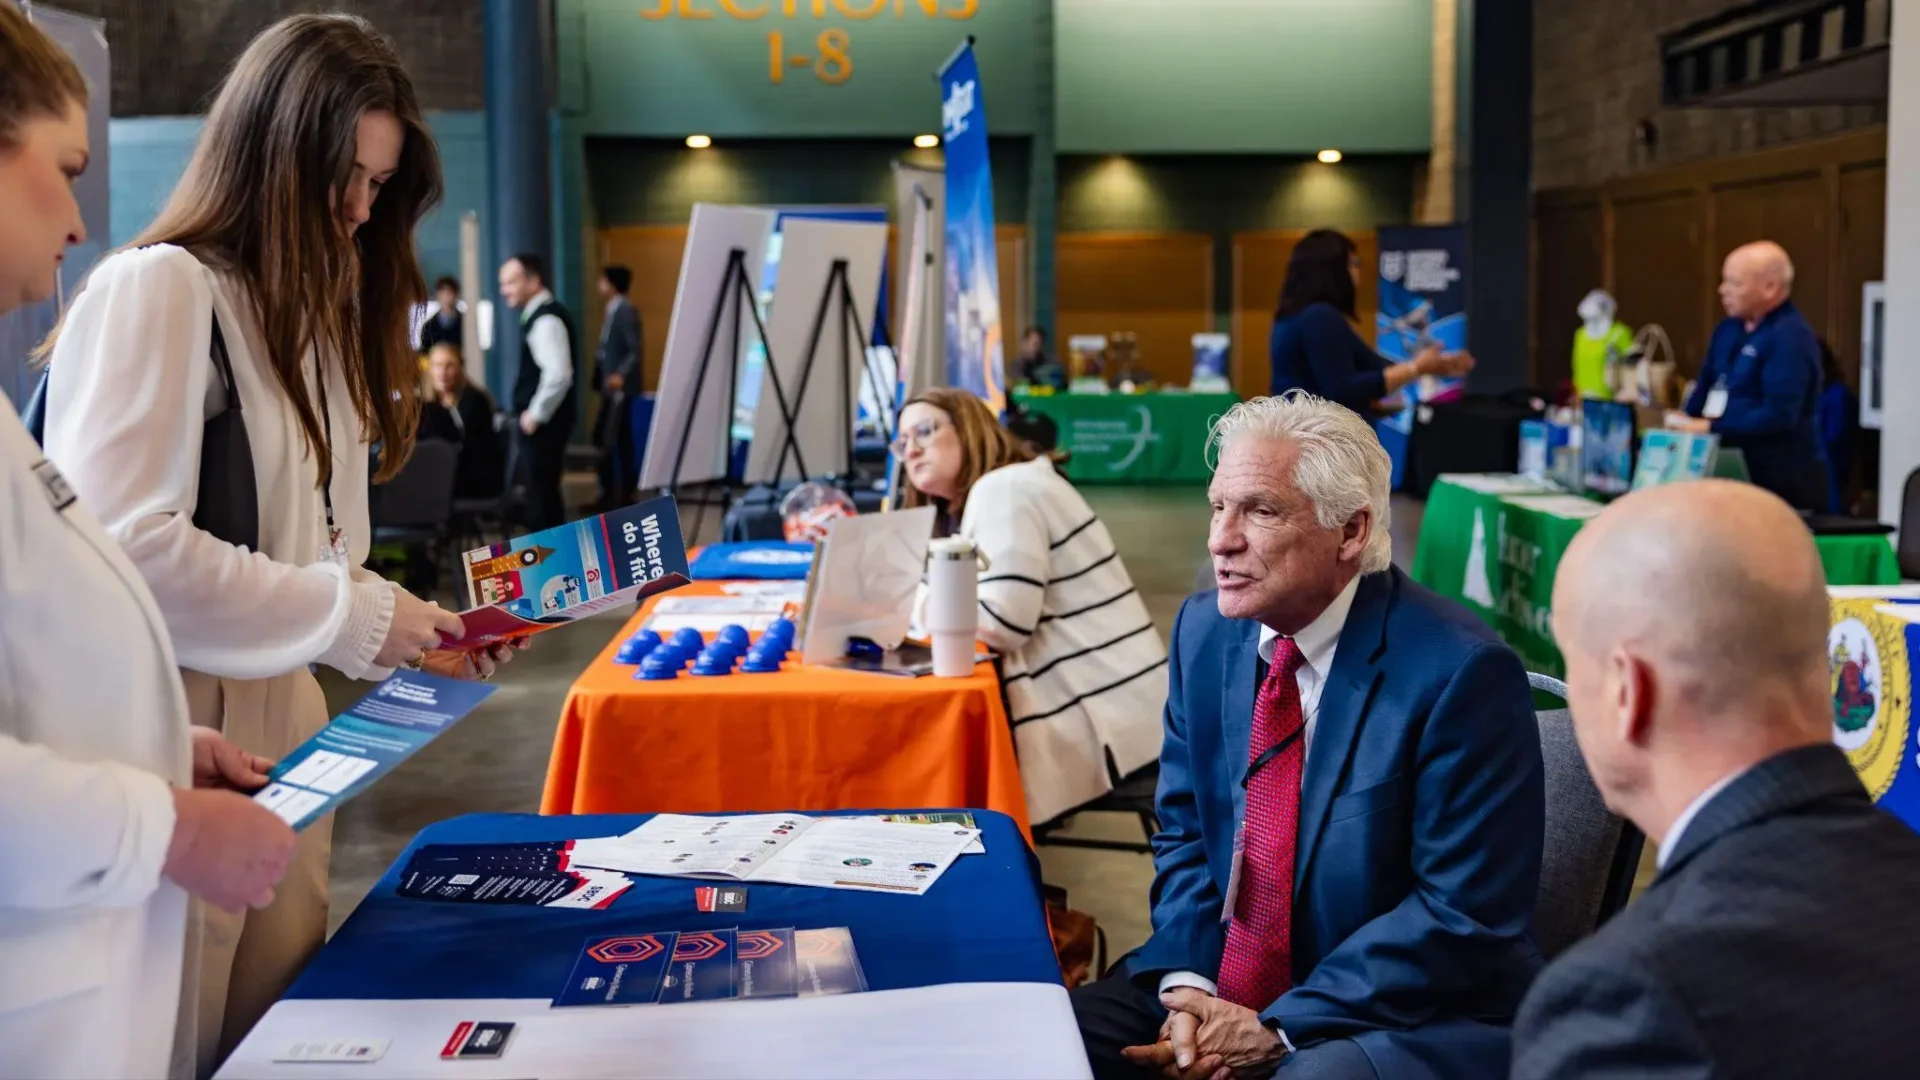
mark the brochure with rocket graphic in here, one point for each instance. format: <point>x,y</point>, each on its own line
<point>553,577</point>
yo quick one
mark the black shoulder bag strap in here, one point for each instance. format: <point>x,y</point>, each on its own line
<point>228,505</point>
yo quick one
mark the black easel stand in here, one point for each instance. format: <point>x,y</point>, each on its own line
<point>853,344</point>
<point>736,295</point>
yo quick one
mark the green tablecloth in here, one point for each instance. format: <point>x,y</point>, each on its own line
<point>1158,438</point>
<point>1494,542</point>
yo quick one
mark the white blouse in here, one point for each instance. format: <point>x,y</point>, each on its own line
<point>133,382</point>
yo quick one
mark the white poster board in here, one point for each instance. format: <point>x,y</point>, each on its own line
<point>868,571</point>
<point>920,211</point>
<point>1873,353</point>
<point>715,232</point>
<point>808,249</point>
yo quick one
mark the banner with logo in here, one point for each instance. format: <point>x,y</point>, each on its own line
<point>1423,302</point>
<point>1871,642</point>
<point>974,338</point>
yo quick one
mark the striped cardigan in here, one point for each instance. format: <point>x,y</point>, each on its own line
<point>1085,669</point>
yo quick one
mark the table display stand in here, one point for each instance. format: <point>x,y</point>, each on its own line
<point>736,293</point>
<point>837,294</point>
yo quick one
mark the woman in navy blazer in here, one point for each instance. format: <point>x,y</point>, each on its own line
<point>1314,345</point>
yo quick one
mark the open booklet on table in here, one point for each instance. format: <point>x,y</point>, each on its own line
<point>553,577</point>
<point>863,853</point>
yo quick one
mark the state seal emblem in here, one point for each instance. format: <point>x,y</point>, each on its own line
<point>1869,686</point>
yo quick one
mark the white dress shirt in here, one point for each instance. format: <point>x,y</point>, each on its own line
<point>1317,644</point>
<point>553,354</point>
<point>1699,803</point>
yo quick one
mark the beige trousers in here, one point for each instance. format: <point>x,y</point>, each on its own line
<point>237,966</point>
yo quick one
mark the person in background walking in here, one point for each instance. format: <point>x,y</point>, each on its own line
<point>1314,345</point>
<point>616,375</point>
<point>443,326</point>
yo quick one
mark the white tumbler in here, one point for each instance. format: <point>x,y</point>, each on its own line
<point>953,589</point>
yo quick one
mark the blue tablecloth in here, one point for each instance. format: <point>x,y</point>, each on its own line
<point>983,921</point>
<point>771,560</point>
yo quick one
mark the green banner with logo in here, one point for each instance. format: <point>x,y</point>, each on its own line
<point>1157,438</point>
<point>1493,543</point>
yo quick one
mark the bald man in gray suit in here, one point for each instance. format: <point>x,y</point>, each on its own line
<point>1780,937</point>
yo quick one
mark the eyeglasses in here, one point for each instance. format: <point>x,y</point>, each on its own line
<point>917,436</point>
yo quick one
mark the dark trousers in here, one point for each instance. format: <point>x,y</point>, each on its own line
<point>618,469</point>
<point>1804,487</point>
<point>545,455</point>
<point>1116,1012</point>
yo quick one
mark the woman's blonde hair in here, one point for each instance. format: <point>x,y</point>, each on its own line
<point>985,445</point>
<point>37,77</point>
<point>259,200</point>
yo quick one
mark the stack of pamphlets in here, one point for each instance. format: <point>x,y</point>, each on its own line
<point>833,852</point>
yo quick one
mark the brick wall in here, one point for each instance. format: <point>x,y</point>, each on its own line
<point>1597,73</point>
<point>169,55</point>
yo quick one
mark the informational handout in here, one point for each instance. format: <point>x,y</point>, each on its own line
<point>404,713</point>
<point>708,614</point>
<point>556,576</point>
<point>833,853</point>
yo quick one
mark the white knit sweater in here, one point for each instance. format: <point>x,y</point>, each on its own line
<point>1086,671</point>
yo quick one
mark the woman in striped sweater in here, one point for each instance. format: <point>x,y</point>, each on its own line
<point>1086,671</point>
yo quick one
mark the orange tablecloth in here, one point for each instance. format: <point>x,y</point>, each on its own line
<point>801,739</point>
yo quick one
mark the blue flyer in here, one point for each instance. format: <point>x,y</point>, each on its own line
<point>624,969</point>
<point>381,730</point>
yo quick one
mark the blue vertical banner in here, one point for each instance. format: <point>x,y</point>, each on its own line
<point>1423,303</point>
<point>974,340</point>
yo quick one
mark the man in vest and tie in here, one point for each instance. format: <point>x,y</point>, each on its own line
<point>1351,795</point>
<point>543,389</point>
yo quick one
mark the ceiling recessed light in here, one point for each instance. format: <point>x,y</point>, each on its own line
<point>1330,157</point>
<point>926,142</point>
<point>699,142</point>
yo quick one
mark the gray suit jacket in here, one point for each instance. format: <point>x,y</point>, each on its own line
<point>1780,940</point>
<point>619,352</point>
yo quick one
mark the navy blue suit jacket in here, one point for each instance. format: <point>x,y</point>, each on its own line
<point>1318,351</point>
<point>1422,814</point>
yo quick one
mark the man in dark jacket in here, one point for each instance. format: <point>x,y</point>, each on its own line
<point>616,375</point>
<point>1779,937</point>
<point>1759,389</point>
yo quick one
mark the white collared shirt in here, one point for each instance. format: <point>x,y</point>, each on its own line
<point>1317,643</point>
<point>553,354</point>
<point>1699,803</point>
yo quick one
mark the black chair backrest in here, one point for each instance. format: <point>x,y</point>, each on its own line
<point>421,494</point>
<point>1909,548</point>
<point>1591,855</point>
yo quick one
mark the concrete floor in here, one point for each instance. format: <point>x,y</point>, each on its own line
<point>496,759</point>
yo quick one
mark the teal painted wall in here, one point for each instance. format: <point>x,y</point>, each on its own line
<point>1227,76</point>
<point>149,153</point>
<point>624,73</point>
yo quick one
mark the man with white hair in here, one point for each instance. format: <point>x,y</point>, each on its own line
<point>1759,389</point>
<point>1351,796</point>
<point>1779,937</point>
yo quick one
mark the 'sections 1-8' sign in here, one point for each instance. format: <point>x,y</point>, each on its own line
<point>831,61</point>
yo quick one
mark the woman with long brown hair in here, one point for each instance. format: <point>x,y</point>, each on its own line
<point>1085,670</point>
<point>276,281</point>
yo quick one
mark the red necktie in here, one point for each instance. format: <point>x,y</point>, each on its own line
<point>1257,966</point>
